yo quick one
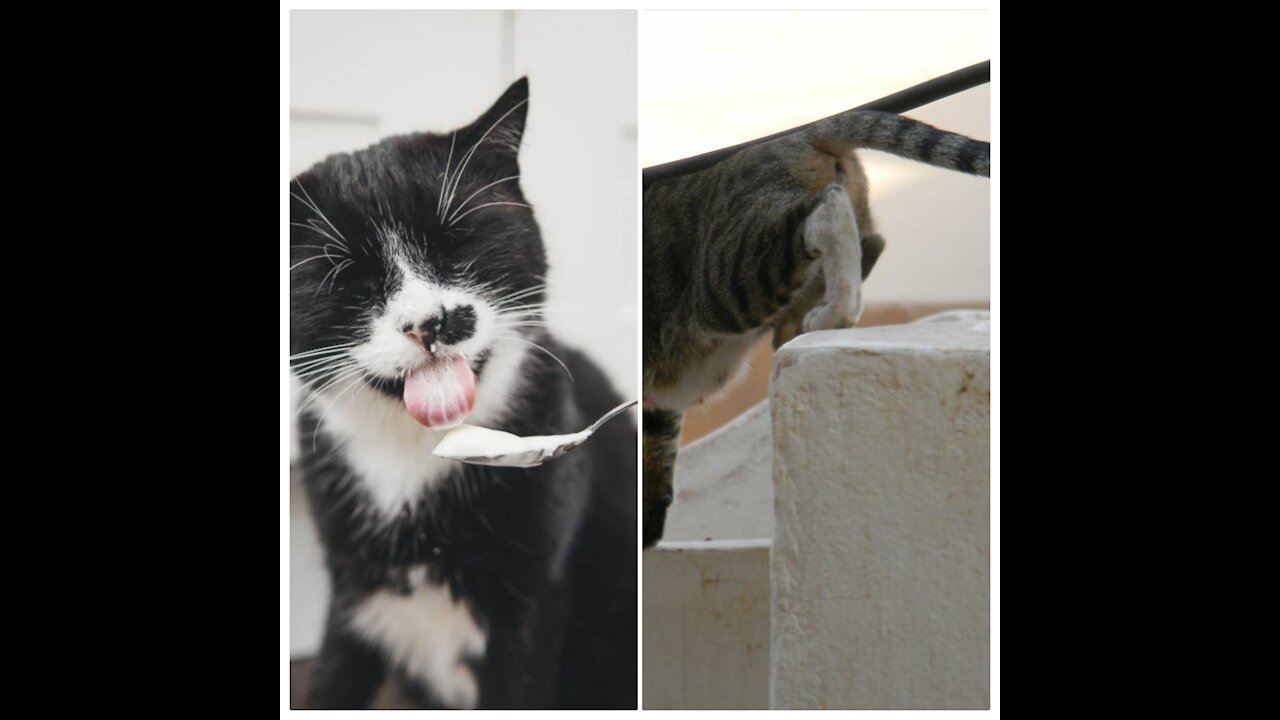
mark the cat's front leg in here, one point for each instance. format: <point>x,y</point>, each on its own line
<point>831,235</point>
<point>348,671</point>
<point>661,430</point>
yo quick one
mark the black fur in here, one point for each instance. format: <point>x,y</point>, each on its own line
<point>491,535</point>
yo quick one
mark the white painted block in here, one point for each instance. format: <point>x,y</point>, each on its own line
<point>724,483</point>
<point>880,565</point>
<point>706,626</point>
<point>706,585</point>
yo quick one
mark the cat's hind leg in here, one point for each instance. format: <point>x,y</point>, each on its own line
<point>831,235</point>
<point>661,431</point>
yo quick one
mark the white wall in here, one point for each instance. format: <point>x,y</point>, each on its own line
<point>359,76</point>
<point>713,79</point>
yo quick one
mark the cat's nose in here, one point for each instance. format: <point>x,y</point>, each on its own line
<point>425,333</point>
<point>448,327</point>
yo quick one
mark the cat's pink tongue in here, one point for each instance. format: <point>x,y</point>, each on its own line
<point>442,395</point>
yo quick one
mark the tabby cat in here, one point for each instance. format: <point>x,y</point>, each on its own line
<point>775,237</point>
<point>415,303</point>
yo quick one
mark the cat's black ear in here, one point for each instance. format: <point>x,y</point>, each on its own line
<point>502,126</point>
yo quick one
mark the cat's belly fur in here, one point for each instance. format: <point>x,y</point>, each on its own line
<point>721,364</point>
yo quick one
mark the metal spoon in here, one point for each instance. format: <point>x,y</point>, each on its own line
<point>482,446</point>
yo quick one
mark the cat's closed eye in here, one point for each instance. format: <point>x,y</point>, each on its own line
<point>365,283</point>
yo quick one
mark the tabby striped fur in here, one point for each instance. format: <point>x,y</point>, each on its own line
<point>729,254</point>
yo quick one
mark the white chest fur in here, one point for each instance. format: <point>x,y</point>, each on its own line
<point>428,634</point>
<point>722,364</point>
<point>390,452</point>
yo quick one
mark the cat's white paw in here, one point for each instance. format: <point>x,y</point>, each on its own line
<point>831,233</point>
<point>832,316</point>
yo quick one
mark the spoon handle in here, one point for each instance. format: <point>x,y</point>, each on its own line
<point>609,415</point>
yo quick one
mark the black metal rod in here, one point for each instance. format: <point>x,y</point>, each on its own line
<point>901,101</point>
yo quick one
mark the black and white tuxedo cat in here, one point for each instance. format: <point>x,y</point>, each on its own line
<point>416,290</point>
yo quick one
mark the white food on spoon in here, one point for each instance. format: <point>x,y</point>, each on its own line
<point>471,443</point>
<point>482,446</point>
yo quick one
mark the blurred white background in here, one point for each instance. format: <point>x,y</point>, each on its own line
<point>359,76</point>
<point>715,78</point>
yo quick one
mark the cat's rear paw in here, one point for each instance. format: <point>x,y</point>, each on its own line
<point>654,522</point>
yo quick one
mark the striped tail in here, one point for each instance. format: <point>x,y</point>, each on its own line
<point>903,137</point>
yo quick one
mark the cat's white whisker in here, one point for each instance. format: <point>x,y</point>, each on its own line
<point>553,356</point>
<point>304,262</point>
<point>458,178</point>
<point>336,269</point>
<point>466,268</point>
<point>539,326</point>
<point>305,363</point>
<point>341,266</point>
<point>313,395</point>
<point>521,302</point>
<point>320,231</point>
<point>324,247</point>
<point>479,207</point>
<point>519,317</point>
<point>311,367</point>
<point>333,242</point>
<point>523,293</point>
<point>305,202</point>
<point>322,374</point>
<point>360,376</point>
<point>316,373</point>
<point>320,387</point>
<point>516,312</point>
<point>462,167</point>
<point>326,348</point>
<point>472,196</point>
<point>444,183</point>
<point>516,308</point>
<point>320,286</point>
<point>314,370</point>
<point>354,383</point>
<point>319,212</point>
